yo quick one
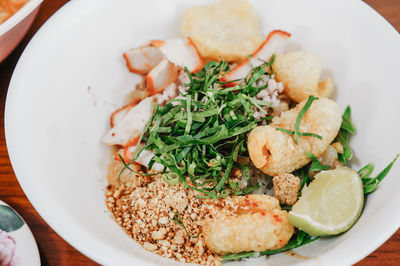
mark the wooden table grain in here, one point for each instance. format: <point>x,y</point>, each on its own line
<point>53,249</point>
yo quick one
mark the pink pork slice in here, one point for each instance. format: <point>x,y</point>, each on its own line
<point>143,59</point>
<point>131,124</point>
<point>274,44</point>
<point>182,53</point>
<point>143,159</point>
<point>161,76</point>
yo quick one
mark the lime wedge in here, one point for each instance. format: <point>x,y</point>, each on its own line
<point>331,204</point>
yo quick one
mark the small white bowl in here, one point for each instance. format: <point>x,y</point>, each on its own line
<point>14,28</point>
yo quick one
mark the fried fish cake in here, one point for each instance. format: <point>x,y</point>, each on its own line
<point>258,225</point>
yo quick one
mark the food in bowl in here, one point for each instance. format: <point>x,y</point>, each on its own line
<point>227,159</point>
<point>13,26</point>
<point>10,7</point>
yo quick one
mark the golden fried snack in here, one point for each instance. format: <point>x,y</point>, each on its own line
<point>254,203</point>
<point>275,152</point>
<point>325,88</point>
<point>259,225</point>
<point>300,72</point>
<point>229,29</point>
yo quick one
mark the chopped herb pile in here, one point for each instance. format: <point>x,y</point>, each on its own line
<point>202,135</point>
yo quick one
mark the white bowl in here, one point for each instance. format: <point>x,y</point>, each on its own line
<point>14,28</point>
<point>72,76</point>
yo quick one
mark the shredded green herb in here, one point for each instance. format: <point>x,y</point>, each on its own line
<point>138,149</point>
<point>346,128</point>
<point>302,173</point>
<point>130,169</point>
<point>177,220</point>
<point>171,178</point>
<point>301,134</point>
<point>296,133</point>
<point>300,116</point>
<point>316,165</point>
<point>370,184</point>
<point>299,239</point>
<point>202,135</point>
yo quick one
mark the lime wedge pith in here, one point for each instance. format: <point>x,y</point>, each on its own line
<point>331,204</point>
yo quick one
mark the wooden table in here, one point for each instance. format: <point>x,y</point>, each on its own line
<point>53,249</point>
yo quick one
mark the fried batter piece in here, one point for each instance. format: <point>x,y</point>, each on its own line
<point>275,152</point>
<point>286,188</point>
<point>259,224</point>
<point>300,72</point>
<point>228,29</point>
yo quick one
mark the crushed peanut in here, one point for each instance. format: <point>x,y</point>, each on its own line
<point>146,212</point>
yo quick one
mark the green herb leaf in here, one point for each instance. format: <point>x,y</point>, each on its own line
<point>316,165</point>
<point>171,178</point>
<point>300,133</point>
<point>300,116</point>
<point>126,166</point>
<point>296,133</point>
<point>302,173</point>
<point>370,184</point>
<point>366,171</point>
<point>237,256</point>
<point>346,128</point>
<point>346,121</point>
<point>299,239</point>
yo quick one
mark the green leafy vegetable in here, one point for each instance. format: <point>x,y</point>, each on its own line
<point>171,178</point>
<point>370,184</point>
<point>346,121</point>
<point>346,128</point>
<point>301,134</point>
<point>302,112</point>
<point>302,173</point>
<point>316,165</point>
<point>299,239</point>
<point>126,166</point>
<point>366,171</point>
